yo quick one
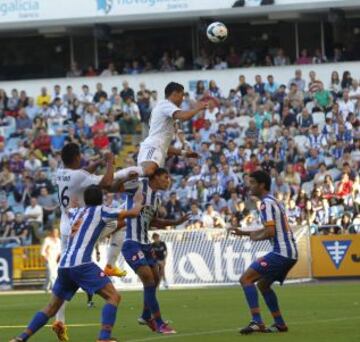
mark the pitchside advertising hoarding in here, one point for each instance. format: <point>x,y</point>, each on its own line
<point>211,257</point>
<point>6,267</point>
<point>336,256</point>
<point>33,10</point>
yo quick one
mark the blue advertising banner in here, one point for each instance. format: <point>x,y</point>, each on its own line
<point>6,268</point>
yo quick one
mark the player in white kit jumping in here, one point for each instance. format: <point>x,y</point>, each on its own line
<point>156,147</point>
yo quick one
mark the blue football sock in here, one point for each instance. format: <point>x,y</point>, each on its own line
<point>272,303</point>
<point>107,321</point>
<point>252,298</point>
<point>152,303</point>
<point>38,321</point>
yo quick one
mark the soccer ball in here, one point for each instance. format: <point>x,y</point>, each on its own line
<point>217,32</point>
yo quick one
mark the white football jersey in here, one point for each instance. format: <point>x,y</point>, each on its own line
<point>71,186</point>
<point>162,127</point>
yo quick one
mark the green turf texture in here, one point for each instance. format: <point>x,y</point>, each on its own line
<point>314,312</point>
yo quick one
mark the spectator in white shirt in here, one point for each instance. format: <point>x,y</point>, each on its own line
<point>346,106</point>
<point>32,164</point>
<point>354,92</point>
<point>110,71</point>
<point>211,218</point>
<point>34,212</point>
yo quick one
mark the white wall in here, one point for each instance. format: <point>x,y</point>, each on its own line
<point>226,79</point>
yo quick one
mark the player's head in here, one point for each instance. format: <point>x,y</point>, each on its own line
<point>174,92</point>
<point>160,179</point>
<point>156,237</point>
<point>260,183</point>
<point>70,155</point>
<point>93,196</point>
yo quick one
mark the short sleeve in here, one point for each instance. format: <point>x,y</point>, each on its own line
<point>168,109</point>
<point>267,214</point>
<point>109,214</point>
<point>86,179</point>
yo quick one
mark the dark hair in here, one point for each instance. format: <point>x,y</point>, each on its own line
<point>93,196</point>
<point>159,172</point>
<point>69,153</point>
<point>155,235</point>
<point>173,87</point>
<point>262,177</point>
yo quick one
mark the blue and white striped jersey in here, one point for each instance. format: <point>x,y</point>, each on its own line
<point>137,228</point>
<point>87,224</point>
<point>273,213</point>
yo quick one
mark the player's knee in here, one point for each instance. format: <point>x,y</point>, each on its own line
<point>245,280</point>
<point>263,287</point>
<point>117,298</point>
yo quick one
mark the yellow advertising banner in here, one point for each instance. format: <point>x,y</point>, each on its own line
<point>335,255</point>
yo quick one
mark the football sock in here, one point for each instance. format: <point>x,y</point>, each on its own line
<point>252,298</point>
<point>115,247</point>
<point>272,303</point>
<point>60,315</point>
<point>123,173</point>
<point>152,303</point>
<point>38,321</point>
<point>89,297</point>
<point>108,321</point>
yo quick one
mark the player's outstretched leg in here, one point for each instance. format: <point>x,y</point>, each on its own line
<point>272,303</point>
<point>150,280</point>
<point>40,319</point>
<point>109,311</point>
<point>116,242</point>
<point>247,282</point>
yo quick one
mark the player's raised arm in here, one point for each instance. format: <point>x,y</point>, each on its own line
<point>258,235</point>
<point>108,178</point>
<point>188,115</point>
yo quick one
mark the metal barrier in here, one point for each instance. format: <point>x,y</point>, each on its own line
<point>27,259</point>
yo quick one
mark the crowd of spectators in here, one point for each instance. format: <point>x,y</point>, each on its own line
<point>305,133</point>
<point>218,60</point>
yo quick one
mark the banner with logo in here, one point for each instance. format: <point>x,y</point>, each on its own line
<point>6,268</point>
<point>211,257</point>
<point>335,255</point>
<point>36,10</point>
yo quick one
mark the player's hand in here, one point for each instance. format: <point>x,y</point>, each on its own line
<point>192,154</point>
<point>109,157</point>
<point>183,219</point>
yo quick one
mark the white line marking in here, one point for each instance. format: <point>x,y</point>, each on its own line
<point>201,333</point>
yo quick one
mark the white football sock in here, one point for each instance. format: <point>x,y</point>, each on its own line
<point>123,173</point>
<point>116,242</point>
<point>60,315</point>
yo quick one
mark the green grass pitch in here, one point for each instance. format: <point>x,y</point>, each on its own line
<point>314,312</point>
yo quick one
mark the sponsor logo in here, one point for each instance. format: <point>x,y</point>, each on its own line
<point>24,8</point>
<point>104,5</point>
<point>102,274</point>
<point>263,264</point>
<point>337,250</point>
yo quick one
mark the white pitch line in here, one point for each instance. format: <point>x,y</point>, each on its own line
<point>49,326</point>
<point>201,333</point>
